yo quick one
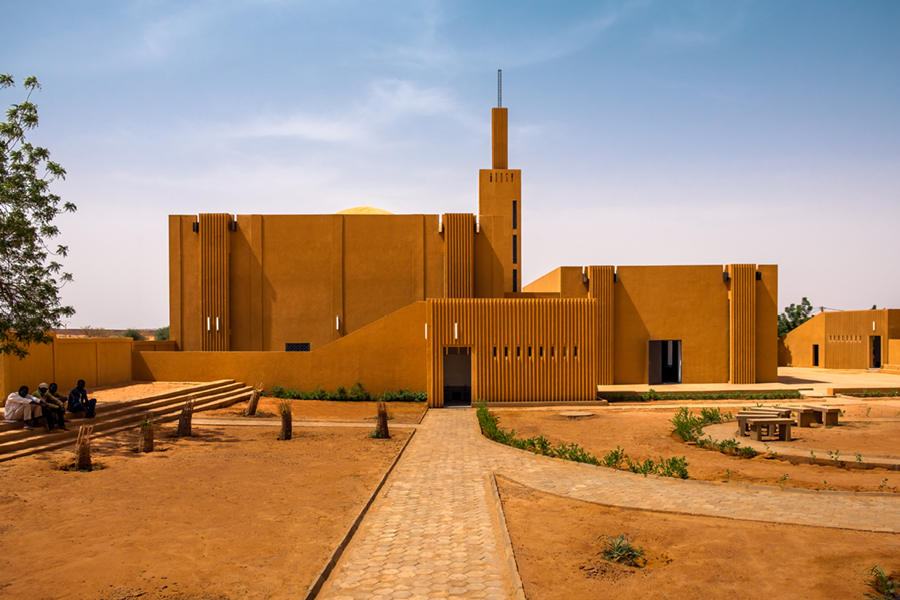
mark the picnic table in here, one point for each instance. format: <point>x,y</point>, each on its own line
<point>757,424</point>
<point>745,415</point>
<point>804,415</point>
<point>827,415</point>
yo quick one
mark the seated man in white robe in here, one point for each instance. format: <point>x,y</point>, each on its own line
<point>20,406</point>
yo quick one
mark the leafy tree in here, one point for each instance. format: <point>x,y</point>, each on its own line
<point>162,333</point>
<point>794,316</point>
<point>134,334</point>
<point>29,285</point>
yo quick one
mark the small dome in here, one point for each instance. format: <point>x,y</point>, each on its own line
<point>363,210</point>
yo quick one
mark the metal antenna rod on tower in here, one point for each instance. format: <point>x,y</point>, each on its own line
<point>499,88</point>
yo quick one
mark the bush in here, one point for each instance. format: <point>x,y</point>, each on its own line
<point>134,334</point>
<point>671,396</point>
<point>357,393</point>
<point>162,334</point>
<point>688,427</point>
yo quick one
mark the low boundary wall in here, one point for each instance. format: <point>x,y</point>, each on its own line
<point>99,361</point>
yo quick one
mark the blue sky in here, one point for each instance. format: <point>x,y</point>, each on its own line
<point>648,132</point>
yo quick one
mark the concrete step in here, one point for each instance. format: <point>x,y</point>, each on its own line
<point>52,441</point>
<point>197,390</point>
<point>115,411</point>
<point>140,410</point>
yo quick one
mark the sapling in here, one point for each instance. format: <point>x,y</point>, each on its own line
<point>145,442</point>
<point>783,479</point>
<point>286,420</point>
<point>884,483</point>
<point>858,457</point>
<point>83,449</point>
<point>184,421</point>
<point>381,422</point>
<point>254,400</point>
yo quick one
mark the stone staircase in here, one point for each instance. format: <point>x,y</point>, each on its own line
<point>16,441</point>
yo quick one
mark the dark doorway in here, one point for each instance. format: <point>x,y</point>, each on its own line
<point>815,355</point>
<point>457,377</point>
<point>665,362</point>
<point>876,351</point>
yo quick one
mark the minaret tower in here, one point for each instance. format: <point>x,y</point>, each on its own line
<point>499,266</point>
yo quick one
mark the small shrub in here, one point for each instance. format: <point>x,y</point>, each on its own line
<point>673,467</point>
<point>688,427</point>
<point>161,334</point>
<point>614,458</point>
<point>619,550</point>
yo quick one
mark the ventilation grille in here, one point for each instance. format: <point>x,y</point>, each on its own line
<point>297,347</point>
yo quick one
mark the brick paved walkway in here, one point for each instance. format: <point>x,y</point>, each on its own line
<point>431,533</point>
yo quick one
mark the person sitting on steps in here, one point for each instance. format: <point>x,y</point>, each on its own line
<point>56,406</point>
<point>78,401</point>
<point>22,407</point>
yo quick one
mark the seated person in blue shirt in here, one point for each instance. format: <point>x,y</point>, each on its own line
<point>78,400</point>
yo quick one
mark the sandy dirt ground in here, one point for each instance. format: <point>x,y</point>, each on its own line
<point>648,434</point>
<point>322,410</point>
<point>131,391</point>
<point>850,436</point>
<point>228,513</point>
<point>556,546</point>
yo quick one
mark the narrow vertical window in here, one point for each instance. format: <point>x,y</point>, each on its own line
<point>552,351</point>
<point>515,215</point>
<point>506,352</point>
<point>515,280</point>
<point>515,249</point>
<point>575,351</point>
<point>518,352</point>
<point>541,352</point>
<point>495,351</point>
<point>529,351</point>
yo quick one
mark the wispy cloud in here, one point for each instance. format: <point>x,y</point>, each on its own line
<point>387,101</point>
<point>430,46</point>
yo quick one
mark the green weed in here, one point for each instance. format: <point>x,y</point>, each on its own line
<point>619,550</point>
<point>881,583</point>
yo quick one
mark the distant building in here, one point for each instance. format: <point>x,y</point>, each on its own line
<point>437,302</point>
<point>852,339</point>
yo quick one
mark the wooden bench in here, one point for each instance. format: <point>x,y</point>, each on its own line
<point>804,415</point>
<point>827,415</point>
<point>744,415</point>
<point>756,424</point>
